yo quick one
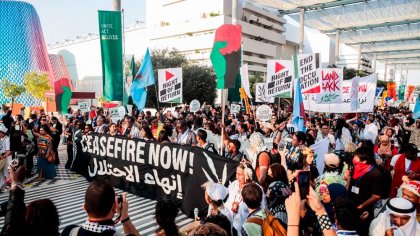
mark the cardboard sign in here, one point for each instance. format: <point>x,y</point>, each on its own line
<point>280,78</point>
<point>261,93</point>
<point>195,105</point>
<point>235,108</point>
<point>121,112</point>
<point>310,81</point>
<point>170,85</point>
<point>263,113</point>
<point>83,107</point>
<point>332,79</point>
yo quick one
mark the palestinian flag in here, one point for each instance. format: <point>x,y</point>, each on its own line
<point>226,55</point>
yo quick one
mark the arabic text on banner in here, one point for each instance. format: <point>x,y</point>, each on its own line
<point>156,171</point>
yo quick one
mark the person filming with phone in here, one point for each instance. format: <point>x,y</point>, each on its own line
<point>101,204</point>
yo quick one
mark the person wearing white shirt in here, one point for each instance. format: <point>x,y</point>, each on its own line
<point>325,133</point>
<point>371,130</point>
<point>342,136</point>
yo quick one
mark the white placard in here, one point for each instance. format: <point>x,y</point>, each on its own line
<point>280,77</point>
<point>121,112</point>
<point>245,80</point>
<point>114,113</point>
<point>261,93</point>
<point>354,94</point>
<point>170,85</point>
<point>310,82</point>
<point>235,108</point>
<point>83,107</point>
<point>263,113</point>
<point>195,105</point>
<point>332,79</point>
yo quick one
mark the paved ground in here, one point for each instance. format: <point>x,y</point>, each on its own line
<point>67,192</point>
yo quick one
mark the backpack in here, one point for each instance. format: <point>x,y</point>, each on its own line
<point>270,225</point>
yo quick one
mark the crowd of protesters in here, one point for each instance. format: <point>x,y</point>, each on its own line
<point>370,183</point>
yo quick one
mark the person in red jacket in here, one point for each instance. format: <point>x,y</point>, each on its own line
<point>403,164</point>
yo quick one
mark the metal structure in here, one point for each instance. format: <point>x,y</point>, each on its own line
<point>389,29</point>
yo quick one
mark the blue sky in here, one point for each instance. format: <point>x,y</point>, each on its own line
<point>66,19</point>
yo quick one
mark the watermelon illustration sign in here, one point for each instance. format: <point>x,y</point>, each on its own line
<point>170,85</point>
<point>310,83</point>
<point>280,77</point>
<point>332,79</point>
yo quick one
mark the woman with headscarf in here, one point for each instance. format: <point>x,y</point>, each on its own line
<point>46,169</point>
<point>385,150</point>
<point>330,195</point>
<point>398,219</point>
<point>277,194</point>
<point>244,175</point>
<point>260,160</point>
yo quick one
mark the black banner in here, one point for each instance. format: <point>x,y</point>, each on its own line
<point>157,171</point>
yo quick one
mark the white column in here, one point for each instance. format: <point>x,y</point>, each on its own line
<point>302,30</point>
<point>386,68</point>
<point>395,70</point>
<point>116,5</point>
<point>359,57</point>
<point>374,62</point>
<point>337,47</point>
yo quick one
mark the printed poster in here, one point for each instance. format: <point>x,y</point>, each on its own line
<point>170,85</point>
<point>332,79</point>
<point>261,93</point>
<point>310,81</point>
<point>279,78</point>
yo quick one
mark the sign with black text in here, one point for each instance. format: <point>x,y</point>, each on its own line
<point>310,81</point>
<point>170,85</point>
<point>280,78</point>
<point>157,171</point>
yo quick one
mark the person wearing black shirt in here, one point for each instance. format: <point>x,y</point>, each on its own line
<point>7,119</point>
<point>56,129</point>
<point>365,185</point>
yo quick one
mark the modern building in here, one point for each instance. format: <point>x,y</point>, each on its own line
<point>189,27</point>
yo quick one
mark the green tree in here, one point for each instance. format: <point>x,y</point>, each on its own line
<point>37,84</point>
<point>253,80</point>
<point>198,82</point>
<point>11,90</point>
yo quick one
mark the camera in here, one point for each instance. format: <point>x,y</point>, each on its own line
<point>345,157</point>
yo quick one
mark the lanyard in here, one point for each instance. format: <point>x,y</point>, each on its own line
<point>408,168</point>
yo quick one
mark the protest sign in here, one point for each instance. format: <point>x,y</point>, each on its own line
<point>235,108</point>
<point>245,79</point>
<point>170,85</point>
<point>261,93</point>
<point>310,82</point>
<point>331,89</point>
<point>194,105</point>
<point>320,149</point>
<point>263,113</point>
<point>354,93</point>
<point>280,78</point>
<point>83,107</point>
<point>157,171</point>
<point>114,113</point>
<point>366,96</point>
<point>121,112</point>
<point>410,90</point>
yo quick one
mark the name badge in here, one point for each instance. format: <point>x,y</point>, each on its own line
<point>355,189</point>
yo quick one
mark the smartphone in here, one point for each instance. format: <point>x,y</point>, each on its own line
<point>304,178</point>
